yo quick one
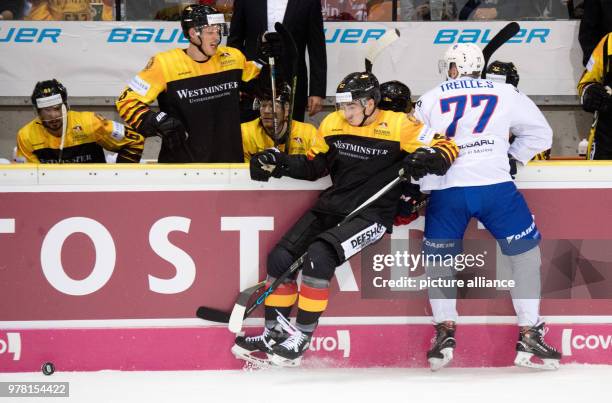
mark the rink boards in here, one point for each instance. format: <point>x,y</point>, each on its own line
<point>103,267</point>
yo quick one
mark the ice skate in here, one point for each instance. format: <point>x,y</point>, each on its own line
<point>443,345</point>
<point>256,350</point>
<point>531,343</point>
<point>288,353</point>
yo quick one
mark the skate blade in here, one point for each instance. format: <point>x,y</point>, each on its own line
<point>252,361</point>
<point>284,362</point>
<point>523,359</point>
<point>436,364</point>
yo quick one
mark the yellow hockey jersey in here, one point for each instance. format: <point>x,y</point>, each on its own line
<point>361,160</point>
<point>87,135</point>
<point>596,71</point>
<point>204,96</point>
<point>599,70</point>
<point>255,138</point>
<point>69,10</point>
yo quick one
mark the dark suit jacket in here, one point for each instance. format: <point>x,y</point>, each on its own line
<point>596,23</point>
<point>304,20</point>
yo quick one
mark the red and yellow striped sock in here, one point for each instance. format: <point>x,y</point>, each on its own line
<point>282,299</point>
<point>311,304</point>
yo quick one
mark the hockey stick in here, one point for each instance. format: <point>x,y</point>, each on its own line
<point>292,55</point>
<point>64,130</point>
<point>240,310</point>
<point>379,46</point>
<point>498,40</point>
<point>273,85</point>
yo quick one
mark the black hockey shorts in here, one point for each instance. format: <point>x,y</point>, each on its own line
<point>327,244</point>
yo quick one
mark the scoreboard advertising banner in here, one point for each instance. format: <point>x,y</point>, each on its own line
<point>100,58</point>
<point>104,268</point>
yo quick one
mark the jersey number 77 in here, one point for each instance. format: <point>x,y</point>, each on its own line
<point>461,102</point>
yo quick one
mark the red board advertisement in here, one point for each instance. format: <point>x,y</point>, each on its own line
<point>111,280</point>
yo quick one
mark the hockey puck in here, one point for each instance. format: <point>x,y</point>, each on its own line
<point>48,368</point>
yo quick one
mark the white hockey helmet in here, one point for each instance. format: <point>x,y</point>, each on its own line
<point>468,59</point>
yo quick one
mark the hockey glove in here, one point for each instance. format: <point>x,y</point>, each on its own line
<point>596,98</point>
<point>424,161</point>
<point>410,202</point>
<point>170,129</point>
<point>270,44</point>
<point>267,163</point>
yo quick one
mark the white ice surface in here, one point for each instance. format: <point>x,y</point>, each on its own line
<point>571,383</point>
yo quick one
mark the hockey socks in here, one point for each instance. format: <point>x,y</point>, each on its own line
<point>314,294</point>
<point>280,301</point>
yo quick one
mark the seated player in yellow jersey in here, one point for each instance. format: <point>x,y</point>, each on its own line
<point>290,136</point>
<point>59,135</point>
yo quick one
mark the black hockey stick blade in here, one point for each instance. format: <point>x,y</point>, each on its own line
<point>378,46</point>
<point>216,315</point>
<point>497,41</point>
<point>212,314</point>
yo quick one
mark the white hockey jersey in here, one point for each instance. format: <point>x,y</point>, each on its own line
<point>479,115</point>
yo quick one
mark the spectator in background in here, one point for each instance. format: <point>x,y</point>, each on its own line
<point>596,22</point>
<point>83,140</point>
<point>11,9</point>
<point>73,10</point>
<point>344,10</point>
<point>420,10</point>
<point>488,9</point>
<point>576,8</point>
<point>142,10</point>
<point>171,10</point>
<point>545,9</point>
<point>304,20</point>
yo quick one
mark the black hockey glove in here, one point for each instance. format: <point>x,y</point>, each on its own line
<point>270,44</point>
<point>410,202</point>
<point>423,161</point>
<point>512,162</point>
<point>596,98</point>
<point>267,163</point>
<point>170,129</point>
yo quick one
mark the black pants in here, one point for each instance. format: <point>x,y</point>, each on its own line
<point>327,244</point>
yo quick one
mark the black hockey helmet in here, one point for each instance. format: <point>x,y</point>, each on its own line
<point>361,85</point>
<point>200,15</point>
<point>395,96</point>
<point>503,69</point>
<point>48,88</point>
<point>263,91</point>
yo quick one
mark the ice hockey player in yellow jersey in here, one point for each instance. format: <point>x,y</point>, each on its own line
<point>198,91</point>
<point>362,148</point>
<point>595,89</point>
<point>291,137</point>
<point>83,140</point>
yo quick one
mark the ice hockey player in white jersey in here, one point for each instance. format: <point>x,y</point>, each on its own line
<point>479,114</point>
